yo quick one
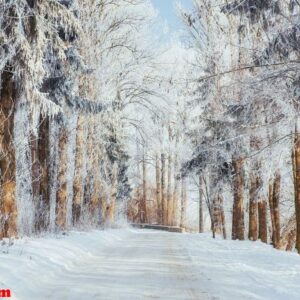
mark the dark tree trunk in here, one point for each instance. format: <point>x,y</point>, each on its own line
<point>163,188</point>
<point>276,209</point>
<point>253,208</point>
<point>144,217</point>
<point>274,194</point>
<point>78,184</point>
<point>8,208</point>
<point>61,208</point>
<point>158,191</point>
<point>262,221</point>
<point>40,175</point>
<point>201,220</point>
<point>238,226</point>
<point>296,171</point>
<point>169,192</point>
<point>222,217</point>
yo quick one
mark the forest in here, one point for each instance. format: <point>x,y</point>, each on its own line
<point>100,124</point>
<point>97,125</point>
<point>107,120</point>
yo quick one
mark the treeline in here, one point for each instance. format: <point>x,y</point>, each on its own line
<point>245,132</point>
<point>232,130</point>
<point>160,189</point>
<point>67,75</point>
<point>94,127</point>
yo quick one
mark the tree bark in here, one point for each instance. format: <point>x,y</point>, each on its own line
<point>253,208</point>
<point>8,208</point>
<point>262,220</point>
<point>238,226</point>
<point>296,171</point>
<point>163,188</point>
<point>80,166</point>
<point>274,194</point>
<point>169,192</point>
<point>95,205</point>
<point>183,203</point>
<point>209,206</point>
<point>61,197</point>
<point>113,199</point>
<point>216,228</point>
<point>222,217</point>
<point>175,193</point>
<point>201,220</point>
<point>270,198</point>
<point>158,191</point>
<point>276,209</point>
<point>144,218</point>
<point>35,174</point>
<point>40,174</point>
<point>288,237</point>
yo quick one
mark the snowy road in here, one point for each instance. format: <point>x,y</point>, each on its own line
<point>146,264</point>
<point>138,264</point>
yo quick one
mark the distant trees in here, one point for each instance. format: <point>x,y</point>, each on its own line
<point>161,135</point>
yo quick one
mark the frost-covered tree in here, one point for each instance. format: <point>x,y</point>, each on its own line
<point>35,38</point>
<point>244,97</point>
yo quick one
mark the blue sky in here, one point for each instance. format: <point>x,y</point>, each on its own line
<point>167,10</point>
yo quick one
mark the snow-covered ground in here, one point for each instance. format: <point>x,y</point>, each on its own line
<point>145,264</point>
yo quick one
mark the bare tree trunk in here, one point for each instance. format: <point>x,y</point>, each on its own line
<point>288,237</point>
<point>183,203</point>
<point>274,194</point>
<point>201,220</point>
<point>96,208</point>
<point>175,193</point>
<point>35,173</point>
<point>209,206</point>
<point>43,195</point>
<point>61,208</point>
<point>270,198</point>
<point>138,188</point>
<point>158,190</point>
<point>80,166</point>
<point>40,178</point>
<point>216,216</point>
<point>139,204</point>
<point>253,208</point>
<point>222,217</point>
<point>53,170</point>
<point>163,188</point>
<point>113,198</point>
<point>95,202</point>
<point>276,197</point>
<point>8,208</point>
<point>238,226</point>
<point>296,171</point>
<point>144,218</point>
<point>262,220</point>
<point>169,192</point>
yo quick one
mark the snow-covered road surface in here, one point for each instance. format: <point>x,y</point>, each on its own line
<point>146,264</point>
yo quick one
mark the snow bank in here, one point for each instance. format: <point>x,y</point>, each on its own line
<point>32,266</point>
<point>240,270</point>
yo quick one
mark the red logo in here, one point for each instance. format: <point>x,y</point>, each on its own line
<point>5,293</point>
